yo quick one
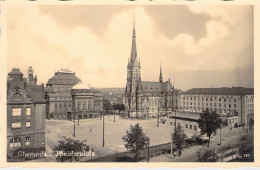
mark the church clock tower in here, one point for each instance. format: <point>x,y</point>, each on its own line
<point>133,76</point>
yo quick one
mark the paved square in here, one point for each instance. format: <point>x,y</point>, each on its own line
<point>92,131</point>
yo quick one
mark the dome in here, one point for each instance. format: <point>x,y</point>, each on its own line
<point>81,85</point>
<point>63,78</point>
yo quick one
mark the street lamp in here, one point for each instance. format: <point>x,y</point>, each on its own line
<point>148,152</point>
<point>103,142</point>
<point>158,113</point>
<point>78,118</point>
<point>220,130</point>
<point>74,133</point>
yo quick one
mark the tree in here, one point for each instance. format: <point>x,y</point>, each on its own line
<point>206,156</point>
<point>121,107</point>
<point>135,139</point>
<point>107,105</point>
<point>209,123</point>
<point>179,137</point>
<point>71,147</point>
<point>114,107</point>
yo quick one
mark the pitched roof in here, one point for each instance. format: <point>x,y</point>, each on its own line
<point>222,91</point>
<point>166,86</point>
<point>151,86</point>
<point>36,92</point>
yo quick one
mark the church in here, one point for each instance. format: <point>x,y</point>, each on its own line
<point>145,99</point>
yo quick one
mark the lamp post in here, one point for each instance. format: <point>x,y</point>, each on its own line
<point>171,143</point>
<point>114,116</point>
<point>103,142</point>
<point>148,152</point>
<point>220,130</point>
<point>78,119</point>
<point>74,132</point>
<point>175,124</point>
<point>158,113</point>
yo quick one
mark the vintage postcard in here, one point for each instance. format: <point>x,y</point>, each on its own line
<point>128,82</point>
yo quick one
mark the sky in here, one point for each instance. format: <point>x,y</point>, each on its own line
<point>197,46</point>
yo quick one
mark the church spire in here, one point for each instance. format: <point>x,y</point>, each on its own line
<point>133,51</point>
<point>160,78</point>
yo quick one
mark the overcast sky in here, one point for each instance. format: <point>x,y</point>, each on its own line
<point>198,46</point>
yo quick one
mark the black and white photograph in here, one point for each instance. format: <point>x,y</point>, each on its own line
<point>129,83</point>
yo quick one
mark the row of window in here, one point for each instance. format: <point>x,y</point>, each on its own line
<point>16,142</point>
<point>217,110</point>
<point>209,104</point>
<point>16,126</point>
<point>187,126</point>
<point>208,99</point>
<point>64,108</point>
<point>18,111</point>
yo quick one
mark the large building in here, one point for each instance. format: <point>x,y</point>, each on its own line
<point>58,94</point>
<point>225,101</point>
<point>146,98</point>
<point>26,108</point>
<point>66,95</point>
<point>86,102</point>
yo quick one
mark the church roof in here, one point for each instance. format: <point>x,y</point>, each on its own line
<point>151,86</point>
<point>63,77</point>
<point>222,91</point>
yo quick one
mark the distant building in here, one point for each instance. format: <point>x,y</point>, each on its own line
<point>86,102</point>
<point>58,94</point>
<point>225,101</point>
<point>26,108</point>
<point>146,98</point>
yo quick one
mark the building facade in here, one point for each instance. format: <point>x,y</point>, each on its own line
<point>58,94</point>
<point>86,102</point>
<point>146,98</point>
<point>188,120</point>
<point>26,107</point>
<point>237,101</point>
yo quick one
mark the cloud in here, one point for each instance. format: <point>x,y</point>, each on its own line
<point>45,40</point>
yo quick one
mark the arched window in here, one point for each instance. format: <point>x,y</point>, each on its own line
<point>15,142</point>
<point>17,96</point>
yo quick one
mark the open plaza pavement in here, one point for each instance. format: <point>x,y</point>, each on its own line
<point>92,131</point>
